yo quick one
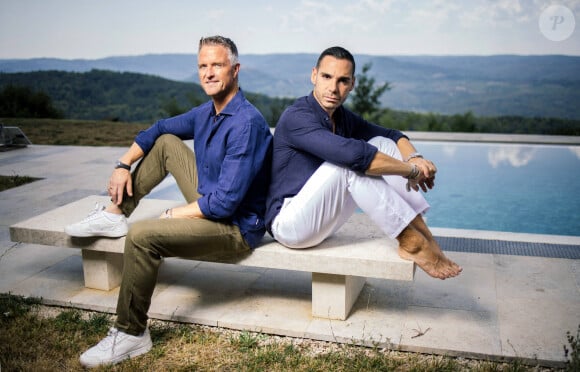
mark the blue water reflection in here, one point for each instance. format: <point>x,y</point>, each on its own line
<point>505,187</point>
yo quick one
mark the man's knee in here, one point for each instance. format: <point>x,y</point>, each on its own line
<point>138,234</point>
<point>167,139</point>
<point>385,145</point>
<point>381,141</point>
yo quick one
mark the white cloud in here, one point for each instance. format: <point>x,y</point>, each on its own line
<point>575,150</point>
<point>449,150</point>
<point>516,156</point>
<point>374,6</point>
<point>384,27</point>
<point>434,16</point>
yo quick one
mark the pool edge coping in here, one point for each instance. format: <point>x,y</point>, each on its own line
<point>506,236</point>
<point>494,138</point>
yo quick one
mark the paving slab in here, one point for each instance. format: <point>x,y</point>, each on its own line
<point>500,307</point>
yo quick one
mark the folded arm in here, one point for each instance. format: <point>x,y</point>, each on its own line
<point>383,164</point>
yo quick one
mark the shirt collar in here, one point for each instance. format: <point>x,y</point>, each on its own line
<point>324,117</point>
<point>233,105</point>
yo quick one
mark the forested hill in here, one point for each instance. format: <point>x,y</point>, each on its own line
<point>529,86</point>
<point>130,97</point>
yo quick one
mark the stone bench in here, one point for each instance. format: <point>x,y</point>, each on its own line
<point>339,265</point>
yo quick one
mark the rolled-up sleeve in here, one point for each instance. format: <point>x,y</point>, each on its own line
<point>180,126</point>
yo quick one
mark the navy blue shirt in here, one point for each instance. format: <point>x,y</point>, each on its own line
<point>304,139</point>
<point>233,157</point>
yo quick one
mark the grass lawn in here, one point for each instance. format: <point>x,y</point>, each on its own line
<point>40,338</point>
<point>8,182</point>
<point>77,132</point>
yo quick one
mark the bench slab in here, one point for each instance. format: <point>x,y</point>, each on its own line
<point>339,265</point>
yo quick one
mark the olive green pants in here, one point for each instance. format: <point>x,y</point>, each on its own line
<point>149,240</point>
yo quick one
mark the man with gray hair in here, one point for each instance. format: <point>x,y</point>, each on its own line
<point>224,183</point>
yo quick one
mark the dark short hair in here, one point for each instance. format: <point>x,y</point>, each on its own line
<point>338,53</point>
<point>223,41</point>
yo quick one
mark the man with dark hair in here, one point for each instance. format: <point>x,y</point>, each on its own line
<point>224,184</point>
<point>327,161</point>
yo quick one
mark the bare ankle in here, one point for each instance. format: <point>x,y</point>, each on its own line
<point>419,224</point>
<point>113,208</point>
<point>411,240</point>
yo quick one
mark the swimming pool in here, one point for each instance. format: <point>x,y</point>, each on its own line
<point>492,186</point>
<point>505,187</point>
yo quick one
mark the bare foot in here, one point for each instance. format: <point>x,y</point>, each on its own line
<point>426,253</point>
<point>419,224</point>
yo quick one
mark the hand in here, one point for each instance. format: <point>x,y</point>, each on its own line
<point>426,184</point>
<point>119,182</point>
<point>426,179</point>
<point>191,210</point>
<point>426,166</point>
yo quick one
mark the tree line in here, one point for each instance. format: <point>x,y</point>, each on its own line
<point>131,97</point>
<point>111,96</point>
<point>365,101</point>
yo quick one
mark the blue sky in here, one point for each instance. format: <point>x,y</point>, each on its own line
<point>101,28</point>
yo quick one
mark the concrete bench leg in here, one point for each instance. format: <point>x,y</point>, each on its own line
<point>102,270</point>
<point>334,295</point>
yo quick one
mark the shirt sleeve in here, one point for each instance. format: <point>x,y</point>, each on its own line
<point>245,148</point>
<point>307,134</point>
<point>180,126</point>
<point>366,130</point>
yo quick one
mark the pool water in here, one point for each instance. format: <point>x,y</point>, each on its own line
<point>505,187</point>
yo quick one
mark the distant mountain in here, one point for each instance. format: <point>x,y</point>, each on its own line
<point>546,86</point>
<point>177,67</point>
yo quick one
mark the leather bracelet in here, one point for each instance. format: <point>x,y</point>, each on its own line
<point>414,174</point>
<point>119,164</point>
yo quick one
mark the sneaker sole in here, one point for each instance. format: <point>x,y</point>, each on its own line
<point>97,234</point>
<point>133,354</point>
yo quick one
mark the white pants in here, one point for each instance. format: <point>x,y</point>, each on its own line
<point>333,193</point>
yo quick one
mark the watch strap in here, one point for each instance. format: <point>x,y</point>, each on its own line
<point>120,164</point>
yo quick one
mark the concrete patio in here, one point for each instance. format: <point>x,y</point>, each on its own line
<point>502,306</point>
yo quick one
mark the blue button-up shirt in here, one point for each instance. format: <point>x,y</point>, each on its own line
<point>233,157</point>
<point>304,139</point>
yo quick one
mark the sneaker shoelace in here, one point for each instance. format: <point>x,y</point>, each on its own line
<point>92,214</point>
<point>110,341</point>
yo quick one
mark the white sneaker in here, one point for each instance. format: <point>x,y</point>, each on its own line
<point>115,348</point>
<point>99,223</point>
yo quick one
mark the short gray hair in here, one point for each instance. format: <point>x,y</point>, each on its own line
<point>223,41</point>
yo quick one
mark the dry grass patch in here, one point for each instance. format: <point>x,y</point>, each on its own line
<point>40,338</point>
<point>8,182</point>
<point>77,132</point>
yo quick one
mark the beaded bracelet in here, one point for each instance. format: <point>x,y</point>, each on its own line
<point>414,174</point>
